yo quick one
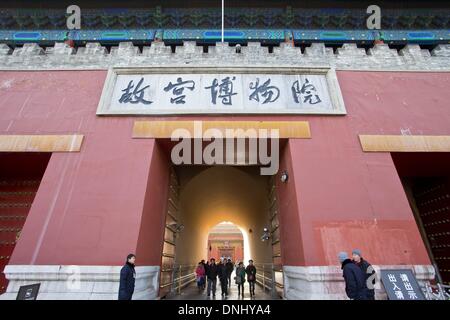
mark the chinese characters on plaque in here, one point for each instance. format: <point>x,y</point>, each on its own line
<point>401,285</point>
<point>219,93</point>
<point>28,292</point>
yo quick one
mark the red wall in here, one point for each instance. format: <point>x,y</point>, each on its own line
<point>235,245</point>
<point>89,207</point>
<point>292,246</point>
<point>350,199</point>
<point>150,246</point>
<point>96,206</point>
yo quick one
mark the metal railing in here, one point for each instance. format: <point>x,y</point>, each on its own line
<point>266,278</point>
<point>183,275</point>
<point>436,292</point>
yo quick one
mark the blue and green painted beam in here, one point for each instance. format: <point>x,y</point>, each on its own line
<point>230,35</point>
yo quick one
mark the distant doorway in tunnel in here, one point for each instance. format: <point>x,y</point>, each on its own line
<point>225,241</point>
<point>426,179</point>
<point>220,211</point>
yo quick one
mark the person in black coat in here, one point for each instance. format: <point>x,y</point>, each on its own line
<point>127,278</point>
<point>368,271</point>
<point>211,275</point>
<point>230,267</point>
<point>355,285</point>
<point>223,277</point>
<point>251,277</point>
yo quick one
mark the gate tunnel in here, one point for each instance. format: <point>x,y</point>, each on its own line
<point>210,195</point>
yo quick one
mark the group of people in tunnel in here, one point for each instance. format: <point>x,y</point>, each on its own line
<point>208,272</point>
<point>358,274</point>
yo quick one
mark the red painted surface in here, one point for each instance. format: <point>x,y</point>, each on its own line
<point>427,176</point>
<point>432,200</point>
<point>235,250</point>
<point>422,164</point>
<point>152,228</point>
<point>347,198</point>
<point>226,244</point>
<point>20,176</point>
<point>90,206</point>
<point>292,251</point>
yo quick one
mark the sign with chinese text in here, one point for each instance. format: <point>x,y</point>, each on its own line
<point>28,292</point>
<point>193,91</point>
<point>401,285</point>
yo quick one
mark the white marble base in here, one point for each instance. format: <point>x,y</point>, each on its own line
<point>327,283</point>
<point>95,282</point>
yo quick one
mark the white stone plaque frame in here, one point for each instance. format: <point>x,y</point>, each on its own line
<point>108,106</point>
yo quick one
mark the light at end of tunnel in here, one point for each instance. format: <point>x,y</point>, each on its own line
<point>247,253</point>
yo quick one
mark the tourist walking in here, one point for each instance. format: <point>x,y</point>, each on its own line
<point>223,277</point>
<point>229,266</point>
<point>251,277</point>
<point>211,274</point>
<point>201,274</point>
<point>240,278</point>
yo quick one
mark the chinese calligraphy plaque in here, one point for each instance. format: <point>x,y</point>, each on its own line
<point>192,91</point>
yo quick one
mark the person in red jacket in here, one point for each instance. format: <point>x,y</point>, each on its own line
<point>201,274</point>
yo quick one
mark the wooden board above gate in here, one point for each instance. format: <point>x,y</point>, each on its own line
<point>164,129</point>
<point>41,143</point>
<point>404,143</point>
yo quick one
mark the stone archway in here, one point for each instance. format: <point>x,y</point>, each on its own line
<point>210,195</point>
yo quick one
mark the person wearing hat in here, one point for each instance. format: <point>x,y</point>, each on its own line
<point>368,271</point>
<point>355,280</point>
<point>127,278</point>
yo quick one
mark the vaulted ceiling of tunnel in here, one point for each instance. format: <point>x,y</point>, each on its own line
<point>223,194</point>
<point>210,195</point>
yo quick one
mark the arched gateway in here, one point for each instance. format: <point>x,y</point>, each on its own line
<point>315,171</point>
